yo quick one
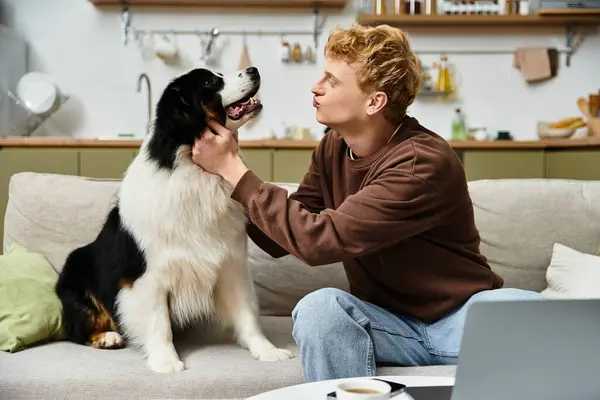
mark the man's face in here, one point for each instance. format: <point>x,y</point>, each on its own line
<point>337,96</point>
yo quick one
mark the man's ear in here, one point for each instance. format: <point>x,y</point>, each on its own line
<point>377,102</point>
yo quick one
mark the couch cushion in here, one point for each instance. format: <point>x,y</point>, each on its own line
<point>53,214</point>
<point>281,283</point>
<point>30,311</point>
<point>572,274</point>
<point>215,369</point>
<point>520,220</point>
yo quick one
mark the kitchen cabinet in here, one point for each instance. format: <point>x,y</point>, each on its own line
<point>14,160</point>
<point>573,164</point>
<point>290,165</point>
<point>260,161</point>
<point>105,163</point>
<point>503,164</point>
<point>288,160</point>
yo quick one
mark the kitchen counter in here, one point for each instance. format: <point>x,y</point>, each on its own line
<point>135,143</point>
<point>590,142</point>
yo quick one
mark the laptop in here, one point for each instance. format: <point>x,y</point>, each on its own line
<point>531,350</point>
<point>525,350</point>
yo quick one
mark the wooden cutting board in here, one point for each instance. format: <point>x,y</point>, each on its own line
<point>245,63</point>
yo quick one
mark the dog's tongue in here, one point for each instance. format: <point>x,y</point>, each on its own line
<point>242,107</point>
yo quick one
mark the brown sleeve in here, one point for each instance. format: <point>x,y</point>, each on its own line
<point>390,209</point>
<point>308,194</point>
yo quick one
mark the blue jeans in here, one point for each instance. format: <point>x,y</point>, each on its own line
<point>340,336</point>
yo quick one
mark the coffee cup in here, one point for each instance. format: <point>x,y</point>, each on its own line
<point>363,389</point>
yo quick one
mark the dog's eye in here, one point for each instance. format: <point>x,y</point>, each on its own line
<point>210,81</point>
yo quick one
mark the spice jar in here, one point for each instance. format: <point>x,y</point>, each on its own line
<point>412,7</point>
<point>379,7</point>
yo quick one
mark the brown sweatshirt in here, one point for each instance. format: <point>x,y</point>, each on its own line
<point>401,221</point>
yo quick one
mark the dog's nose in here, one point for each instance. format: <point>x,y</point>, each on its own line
<point>252,71</point>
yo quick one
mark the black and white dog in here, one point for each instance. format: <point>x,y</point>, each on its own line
<point>172,252</point>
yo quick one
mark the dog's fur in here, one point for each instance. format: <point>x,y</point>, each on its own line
<point>172,251</point>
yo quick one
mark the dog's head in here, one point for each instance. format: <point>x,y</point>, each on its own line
<point>201,94</point>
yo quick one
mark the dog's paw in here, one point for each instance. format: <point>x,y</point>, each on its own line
<point>107,340</point>
<point>165,365</point>
<point>274,355</point>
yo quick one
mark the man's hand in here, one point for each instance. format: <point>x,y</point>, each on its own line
<point>218,153</point>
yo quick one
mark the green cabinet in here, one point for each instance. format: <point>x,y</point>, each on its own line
<point>105,163</point>
<point>503,164</point>
<point>573,164</point>
<point>17,159</point>
<point>260,161</point>
<point>290,165</point>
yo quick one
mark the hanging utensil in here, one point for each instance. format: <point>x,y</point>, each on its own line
<point>213,34</point>
<point>244,58</point>
<point>125,24</point>
<point>285,51</point>
<point>297,52</point>
<point>308,54</point>
<point>245,63</point>
<point>208,45</point>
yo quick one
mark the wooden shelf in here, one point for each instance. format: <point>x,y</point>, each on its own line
<point>441,20</point>
<point>266,4</point>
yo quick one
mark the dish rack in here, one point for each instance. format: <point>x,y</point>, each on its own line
<point>24,121</point>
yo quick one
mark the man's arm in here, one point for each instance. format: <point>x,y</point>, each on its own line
<point>390,209</point>
<point>309,194</point>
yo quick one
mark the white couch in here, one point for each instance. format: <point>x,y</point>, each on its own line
<point>519,221</point>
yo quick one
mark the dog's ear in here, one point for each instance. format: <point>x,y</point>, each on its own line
<point>176,116</point>
<point>172,99</point>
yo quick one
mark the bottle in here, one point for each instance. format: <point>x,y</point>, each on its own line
<point>459,126</point>
<point>443,83</point>
<point>524,7</point>
<point>286,51</point>
<point>380,7</point>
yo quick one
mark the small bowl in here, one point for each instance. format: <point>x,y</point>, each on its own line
<point>363,389</point>
<point>545,132</point>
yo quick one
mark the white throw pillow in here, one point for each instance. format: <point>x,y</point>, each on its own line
<point>572,274</point>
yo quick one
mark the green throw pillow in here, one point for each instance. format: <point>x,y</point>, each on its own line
<point>30,311</point>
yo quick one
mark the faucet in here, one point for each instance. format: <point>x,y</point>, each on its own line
<point>144,77</point>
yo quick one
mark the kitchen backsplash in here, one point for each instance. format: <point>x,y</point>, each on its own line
<point>81,47</point>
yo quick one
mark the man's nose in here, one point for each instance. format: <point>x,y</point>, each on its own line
<point>317,89</point>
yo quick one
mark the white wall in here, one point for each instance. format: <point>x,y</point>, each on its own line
<point>81,47</point>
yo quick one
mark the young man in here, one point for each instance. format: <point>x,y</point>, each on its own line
<point>385,196</point>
